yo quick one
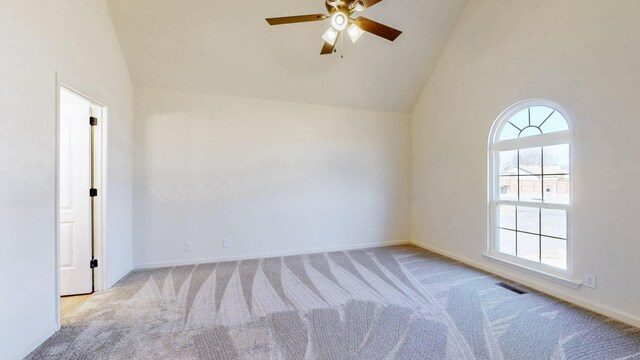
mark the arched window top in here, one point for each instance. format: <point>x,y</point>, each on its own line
<point>530,118</point>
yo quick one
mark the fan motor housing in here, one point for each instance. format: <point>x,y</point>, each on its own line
<point>341,5</point>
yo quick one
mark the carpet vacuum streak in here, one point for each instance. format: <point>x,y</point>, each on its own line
<point>386,303</point>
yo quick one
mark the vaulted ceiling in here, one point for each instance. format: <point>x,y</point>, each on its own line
<point>227,48</point>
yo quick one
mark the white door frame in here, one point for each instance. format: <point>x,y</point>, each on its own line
<point>100,166</point>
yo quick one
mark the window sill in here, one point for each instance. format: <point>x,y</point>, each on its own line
<point>535,272</point>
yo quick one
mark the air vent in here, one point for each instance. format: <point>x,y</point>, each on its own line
<point>513,288</point>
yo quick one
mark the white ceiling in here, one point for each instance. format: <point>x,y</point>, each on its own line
<point>227,48</point>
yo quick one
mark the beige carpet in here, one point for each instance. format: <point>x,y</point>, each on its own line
<point>387,303</point>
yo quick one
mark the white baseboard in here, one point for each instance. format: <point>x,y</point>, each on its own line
<point>602,310</point>
<point>158,264</point>
<point>40,339</point>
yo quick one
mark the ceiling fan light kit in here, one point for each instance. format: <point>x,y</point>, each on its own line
<point>340,12</point>
<point>339,20</point>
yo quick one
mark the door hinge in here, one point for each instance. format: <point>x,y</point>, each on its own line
<point>93,192</point>
<point>93,121</point>
<point>93,263</point>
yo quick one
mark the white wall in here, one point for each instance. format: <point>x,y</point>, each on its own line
<point>273,177</point>
<point>583,54</point>
<point>37,38</point>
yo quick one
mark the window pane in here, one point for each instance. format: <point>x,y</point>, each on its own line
<point>531,161</point>
<point>554,223</point>
<point>509,132</point>
<point>507,242</point>
<point>531,188</point>
<point>554,123</point>
<point>539,114</point>
<point>530,131</point>
<point>528,246</point>
<point>507,216</point>
<point>556,159</point>
<point>509,162</point>
<point>509,188</point>
<point>521,119</point>
<point>554,252</point>
<point>528,219</point>
<point>556,189</point>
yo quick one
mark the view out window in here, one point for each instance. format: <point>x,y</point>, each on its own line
<point>530,194</point>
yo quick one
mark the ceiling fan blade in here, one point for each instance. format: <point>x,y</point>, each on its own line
<point>376,28</point>
<point>295,19</point>
<point>327,48</point>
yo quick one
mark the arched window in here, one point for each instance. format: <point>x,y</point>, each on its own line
<point>530,187</point>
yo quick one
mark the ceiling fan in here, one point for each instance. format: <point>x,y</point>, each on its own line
<point>340,12</point>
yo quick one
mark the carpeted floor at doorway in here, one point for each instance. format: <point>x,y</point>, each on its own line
<point>387,303</point>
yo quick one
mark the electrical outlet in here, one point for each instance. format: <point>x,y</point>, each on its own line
<point>370,232</point>
<point>188,246</point>
<point>589,281</point>
<point>226,243</point>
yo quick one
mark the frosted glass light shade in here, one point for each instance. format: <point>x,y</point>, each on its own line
<point>330,36</point>
<point>339,21</point>
<point>354,32</point>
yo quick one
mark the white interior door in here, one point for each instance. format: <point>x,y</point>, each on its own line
<point>76,275</point>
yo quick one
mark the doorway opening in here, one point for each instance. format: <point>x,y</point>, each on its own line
<point>80,190</point>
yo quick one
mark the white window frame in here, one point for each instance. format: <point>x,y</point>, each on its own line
<point>562,276</point>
